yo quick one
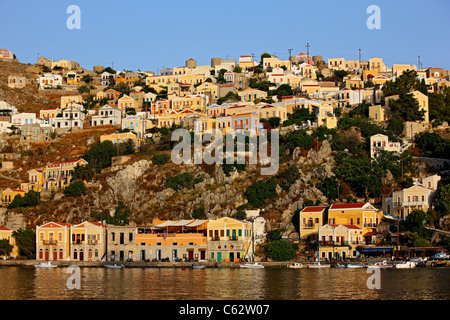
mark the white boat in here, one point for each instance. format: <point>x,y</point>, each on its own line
<point>355,266</point>
<point>201,266</point>
<point>340,266</point>
<point>383,264</point>
<point>114,266</point>
<point>296,265</point>
<point>405,265</point>
<point>47,264</point>
<point>318,265</point>
<point>252,266</point>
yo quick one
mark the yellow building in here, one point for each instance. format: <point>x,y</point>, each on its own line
<point>8,195</point>
<point>69,101</point>
<point>191,79</point>
<point>126,102</point>
<point>325,116</point>
<point>376,64</point>
<point>362,215</point>
<point>379,113</point>
<point>339,241</point>
<point>180,239</point>
<point>120,137</point>
<point>311,220</point>
<point>250,94</point>
<point>208,88</point>
<point>54,176</point>
<point>49,113</point>
<point>398,69</point>
<point>422,100</point>
<point>6,233</point>
<point>229,240</point>
<point>336,63</point>
<point>53,241</point>
<point>73,78</point>
<point>274,62</point>
<point>189,102</point>
<point>270,111</point>
<point>88,241</point>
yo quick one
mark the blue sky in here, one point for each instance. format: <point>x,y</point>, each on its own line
<point>150,35</point>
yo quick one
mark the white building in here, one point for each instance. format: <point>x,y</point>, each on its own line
<point>49,80</point>
<point>19,119</point>
<point>380,142</point>
<point>71,118</point>
<point>106,78</point>
<point>107,115</point>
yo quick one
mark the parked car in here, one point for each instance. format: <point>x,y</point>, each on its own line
<point>440,255</point>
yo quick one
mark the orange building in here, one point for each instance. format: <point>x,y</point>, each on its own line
<point>183,239</point>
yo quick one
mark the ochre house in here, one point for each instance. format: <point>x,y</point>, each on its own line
<point>53,241</point>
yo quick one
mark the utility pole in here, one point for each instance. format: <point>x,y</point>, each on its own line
<point>307,49</point>
<point>290,63</point>
<point>418,66</point>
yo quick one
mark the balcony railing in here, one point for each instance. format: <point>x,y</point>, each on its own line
<point>50,242</point>
<point>370,225</point>
<point>309,226</point>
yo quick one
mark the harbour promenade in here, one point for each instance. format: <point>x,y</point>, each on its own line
<point>208,264</point>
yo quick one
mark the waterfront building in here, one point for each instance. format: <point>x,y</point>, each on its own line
<point>53,241</point>
<point>229,240</point>
<point>363,215</point>
<point>339,241</point>
<point>181,239</point>
<point>6,234</point>
<point>88,241</point>
<point>311,219</point>
<point>121,244</point>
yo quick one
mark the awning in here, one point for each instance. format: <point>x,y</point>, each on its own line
<point>377,250</point>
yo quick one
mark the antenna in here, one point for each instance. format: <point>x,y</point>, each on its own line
<point>307,49</point>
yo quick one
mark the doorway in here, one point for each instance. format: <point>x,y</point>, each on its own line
<point>219,256</point>
<point>142,255</point>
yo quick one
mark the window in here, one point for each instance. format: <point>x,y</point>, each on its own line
<point>190,244</point>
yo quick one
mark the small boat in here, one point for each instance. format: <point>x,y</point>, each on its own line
<point>355,266</point>
<point>114,266</point>
<point>405,265</point>
<point>252,266</point>
<point>383,264</point>
<point>199,266</point>
<point>318,265</point>
<point>340,266</point>
<point>47,264</point>
<point>296,265</point>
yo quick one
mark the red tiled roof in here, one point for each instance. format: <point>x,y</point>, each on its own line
<point>347,205</point>
<point>4,228</point>
<point>313,209</point>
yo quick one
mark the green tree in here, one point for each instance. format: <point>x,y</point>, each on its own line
<point>160,159</point>
<point>280,251</point>
<point>99,155</point>
<point>76,188</point>
<point>273,235</point>
<point>5,248</point>
<point>288,177</point>
<point>26,242</point>
<point>407,108</point>
<point>261,190</point>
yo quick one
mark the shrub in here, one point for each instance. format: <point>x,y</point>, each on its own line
<point>182,180</point>
<point>280,251</point>
<point>76,188</point>
<point>160,159</point>
<point>261,190</point>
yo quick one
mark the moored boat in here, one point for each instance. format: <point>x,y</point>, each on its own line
<point>355,266</point>
<point>114,266</point>
<point>252,266</point>
<point>47,264</point>
<point>201,266</point>
<point>405,265</point>
<point>317,264</point>
<point>296,265</point>
<point>383,264</point>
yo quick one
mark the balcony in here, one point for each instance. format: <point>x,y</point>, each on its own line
<point>309,226</point>
<point>370,225</point>
<point>50,242</point>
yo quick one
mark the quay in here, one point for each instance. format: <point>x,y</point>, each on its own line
<point>208,264</point>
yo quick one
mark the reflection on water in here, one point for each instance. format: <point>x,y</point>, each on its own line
<point>223,284</point>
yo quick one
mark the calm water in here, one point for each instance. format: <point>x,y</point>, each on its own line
<point>223,284</point>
